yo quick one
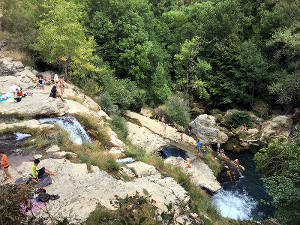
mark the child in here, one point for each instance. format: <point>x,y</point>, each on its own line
<point>5,165</point>
<point>38,173</point>
<point>198,146</point>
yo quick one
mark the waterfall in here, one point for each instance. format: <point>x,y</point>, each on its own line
<point>77,133</point>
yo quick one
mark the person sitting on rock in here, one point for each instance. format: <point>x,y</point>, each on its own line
<point>223,154</point>
<point>20,93</point>
<point>218,148</point>
<point>38,173</point>
<point>188,162</point>
<point>236,162</point>
<point>14,89</point>
<point>54,93</point>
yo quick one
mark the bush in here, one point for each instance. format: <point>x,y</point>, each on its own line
<point>215,111</point>
<point>119,126</point>
<point>106,103</point>
<point>238,118</point>
<point>177,111</point>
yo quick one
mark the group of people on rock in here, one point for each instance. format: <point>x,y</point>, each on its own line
<point>58,82</point>
<point>35,172</point>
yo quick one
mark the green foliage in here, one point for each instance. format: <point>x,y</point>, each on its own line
<point>238,118</point>
<point>215,111</point>
<point>62,40</point>
<point>87,122</point>
<point>103,216</point>
<point>177,111</point>
<point>279,164</point>
<point>106,103</point>
<point>119,126</point>
<point>112,166</point>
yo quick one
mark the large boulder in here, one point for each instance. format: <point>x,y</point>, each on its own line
<point>39,104</point>
<point>203,127</point>
<point>278,127</point>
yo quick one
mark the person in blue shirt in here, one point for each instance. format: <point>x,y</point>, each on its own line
<point>198,146</point>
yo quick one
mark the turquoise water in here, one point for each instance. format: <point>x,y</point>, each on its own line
<point>242,199</point>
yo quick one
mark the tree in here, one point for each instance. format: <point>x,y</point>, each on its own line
<point>279,163</point>
<point>251,77</point>
<point>188,64</point>
<point>62,40</point>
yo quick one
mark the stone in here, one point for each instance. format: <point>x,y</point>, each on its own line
<point>144,138</point>
<point>80,192</point>
<point>26,123</point>
<point>203,127</point>
<point>63,154</point>
<point>229,172</point>
<point>147,112</point>
<point>114,140</point>
<point>200,174</point>
<point>94,169</point>
<point>143,169</point>
<point>37,156</point>
<point>53,148</point>
<point>278,127</point>
<point>117,152</point>
<point>127,172</point>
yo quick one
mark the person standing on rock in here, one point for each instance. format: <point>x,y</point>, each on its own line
<point>198,146</point>
<point>218,147</point>
<point>62,86</point>
<point>56,79</point>
<point>38,173</point>
<point>5,165</point>
<point>52,77</point>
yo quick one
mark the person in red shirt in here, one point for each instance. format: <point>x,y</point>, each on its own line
<point>5,165</point>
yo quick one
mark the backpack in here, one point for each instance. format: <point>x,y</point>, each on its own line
<point>43,197</point>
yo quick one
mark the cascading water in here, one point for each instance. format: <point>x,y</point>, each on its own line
<point>77,133</point>
<point>242,199</point>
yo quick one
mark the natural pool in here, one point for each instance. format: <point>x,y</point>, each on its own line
<point>242,199</point>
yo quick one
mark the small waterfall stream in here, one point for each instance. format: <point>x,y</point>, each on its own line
<point>77,133</point>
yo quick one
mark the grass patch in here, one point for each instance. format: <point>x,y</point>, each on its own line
<point>21,129</point>
<point>212,163</point>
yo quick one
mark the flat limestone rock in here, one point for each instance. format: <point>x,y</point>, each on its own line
<point>143,137</point>
<point>143,169</point>
<point>200,174</point>
<point>80,192</point>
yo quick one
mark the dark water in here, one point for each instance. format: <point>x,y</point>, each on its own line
<point>242,199</point>
<point>168,151</point>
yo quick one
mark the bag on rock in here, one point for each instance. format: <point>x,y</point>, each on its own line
<point>44,197</point>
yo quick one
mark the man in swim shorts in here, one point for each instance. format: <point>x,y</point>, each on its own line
<point>5,165</point>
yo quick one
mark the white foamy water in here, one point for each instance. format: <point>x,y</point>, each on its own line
<point>77,133</point>
<point>21,135</point>
<point>126,160</point>
<point>234,205</point>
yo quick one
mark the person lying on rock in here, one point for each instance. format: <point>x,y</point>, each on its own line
<point>38,173</point>
<point>236,162</point>
<point>54,93</point>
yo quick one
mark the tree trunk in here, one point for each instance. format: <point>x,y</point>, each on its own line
<point>66,70</point>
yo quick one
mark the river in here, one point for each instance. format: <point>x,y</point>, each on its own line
<point>242,199</point>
